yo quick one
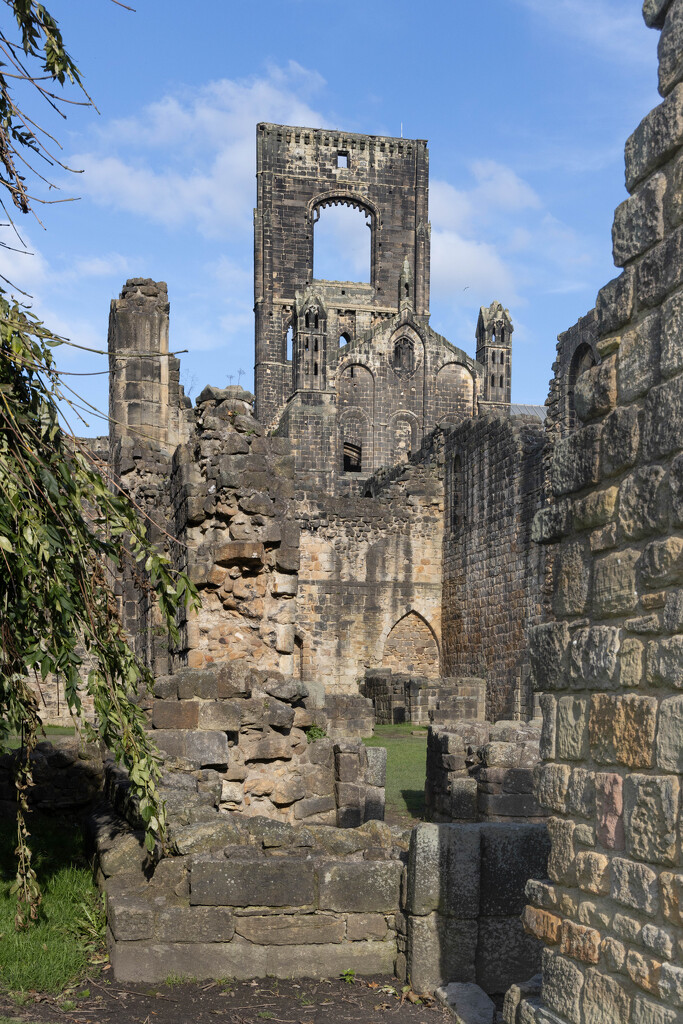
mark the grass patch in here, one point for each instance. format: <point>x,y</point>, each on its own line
<point>68,935</point>
<point>406,770</point>
<point>13,740</point>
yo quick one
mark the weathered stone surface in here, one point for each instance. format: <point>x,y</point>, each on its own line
<point>614,586</point>
<point>604,1000</point>
<point>219,715</point>
<point>663,415</point>
<point>129,919</point>
<point>669,742</point>
<point>596,391</point>
<point>548,646</point>
<point>504,870</point>
<point>572,579</point>
<point>291,929</point>
<point>639,221</point>
<point>124,851</point>
<point>576,461</point>
<point>330,960</point>
<point>437,952</point>
<point>642,503</point>
<point>670,50</point>
<point>360,886</point>
<point>366,926</point>
<point>562,986</point>
<point>634,885</point>
<point>572,728</point>
<point>202,749</point>
<point>651,817</point>
<point>664,662</point>
<point>444,870</point>
<point>468,1003</point>
<point>154,962</point>
<point>252,883</point>
<point>609,802</point>
<point>655,139</point>
<point>239,552</point>
<point>620,440</point>
<point>193,924</point>
<point>593,657</point>
<point>646,1011</point>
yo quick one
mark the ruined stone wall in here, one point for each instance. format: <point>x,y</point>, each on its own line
<point>370,580</point>
<point>609,666</point>
<point>492,573</point>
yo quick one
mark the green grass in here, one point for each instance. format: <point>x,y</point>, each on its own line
<point>56,950</point>
<point>406,770</point>
<point>13,741</point>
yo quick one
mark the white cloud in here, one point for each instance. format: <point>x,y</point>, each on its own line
<point>461,265</point>
<point>190,158</point>
<point>612,27</point>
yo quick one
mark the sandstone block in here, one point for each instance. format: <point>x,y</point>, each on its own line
<point>596,509</point>
<point>193,924</point>
<point>314,805</point>
<point>642,503</point>
<point>510,854</point>
<point>593,657</point>
<point>581,793</point>
<point>548,647</point>
<point>662,562</point>
<point>467,1002</point>
<point>284,585</point>
<point>202,749</point>
<point>360,886</point>
<point>551,785</point>
<point>124,851</point>
<point>609,803</point>
<point>605,1000</point>
<point>579,942</point>
<point>614,586</point>
<point>153,962</point>
<point>596,391</point>
<point>129,919</point>
<point>288,791</point>
<point>669,744</point>
<point>551,523</point>
<point>614,303</point>
<point>366,926</point>
<point>444,870</point>
<point>572,729</point>
<point>576,461</point>
<point>376,771</point>
<point>651,817</point>
<point>278,883</point>
<point>329,960</point>
<point>542,924</point>
<point>654,12</point>
<point>663,416</point>
<point>671,984</point>
<point>672,325</point>
<point>572,578</point>
<point>620,440</point>
<point>592,872</point>
<point>670,50</point>
<point>440,951</point>
<point>655,139</point>
<point>562,985</point>
<point>291,929</point>
<point>645,1011</point>
<point>548,731</point>
<point>639,221</point>
<point>561,861</point>
<point>634,885</point>
<point>240,552</point>
<point>664,662</point>
<point>220,715</point>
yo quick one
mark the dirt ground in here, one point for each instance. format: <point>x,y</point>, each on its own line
<point>364,1001</point>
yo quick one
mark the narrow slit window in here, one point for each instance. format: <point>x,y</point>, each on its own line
<point>315,369</point>
<point>289,343</point>
<point>501,382</point>
<point>493,381</point>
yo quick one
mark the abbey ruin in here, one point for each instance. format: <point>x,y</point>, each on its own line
<point>378,534</point>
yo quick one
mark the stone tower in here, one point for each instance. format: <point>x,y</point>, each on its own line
<point>494,352</point>
<point>386,179</point>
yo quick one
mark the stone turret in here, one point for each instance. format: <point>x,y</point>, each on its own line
<point>494,351</point>
<point>146,400</point>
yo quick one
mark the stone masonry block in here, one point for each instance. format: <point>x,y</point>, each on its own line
<point>664,662</point>
<point>203,749</point>
<point>609,806</point>
<point>291,929</point>
<point>360,886</point>
<point>593,657</point>
<point>220,715</point>
<point>605,999</point>
<point>440,951</point>
<point>634,885</point>
<point>240,552</point>
<point>176,714</point>
<point>153,962</point>
<point>663,417</point>
<point>651,817</point>
<point>129,918</point>
<point>444,872</point>
<point>193,924</point>
<point>596,391</point>
<point>271,883</point>
<point>576,461</point>
<point>614,585</point>
<point>562,985</point>
<point>572,578</point>
<point>670,49</point>
<point>638,359</point>
<point>620,440</point>
<point>614,303</point>
<point>572,729</point>
<point>329,960</point>
<point>639,221</point>
<point>654,12</point>
<point>655,139</point>
<point>504,953</point>
<point>548,649</point>
<point>510,854</point>
<point>669,743</point>
<point>672,330</point>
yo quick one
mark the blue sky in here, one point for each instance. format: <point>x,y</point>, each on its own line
<point>526,105</point>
